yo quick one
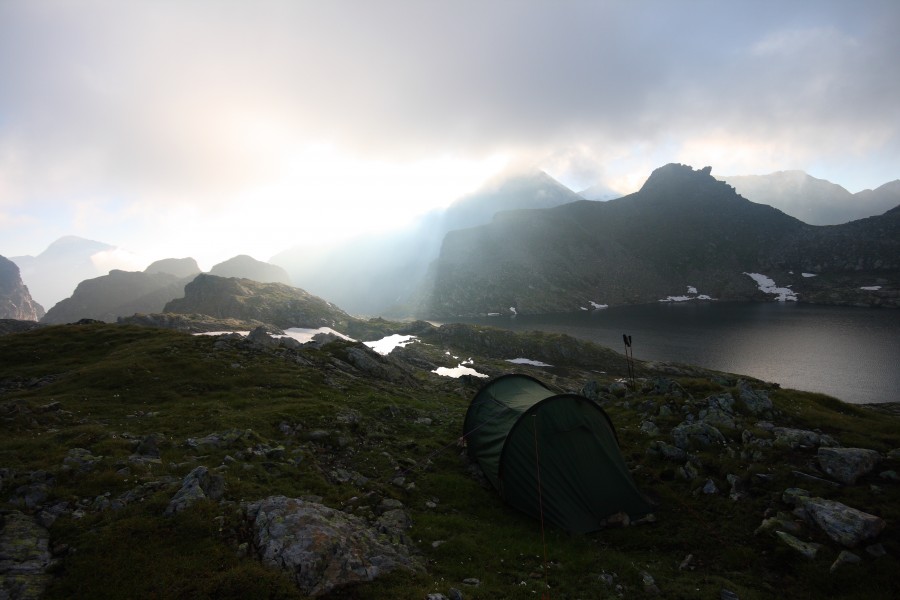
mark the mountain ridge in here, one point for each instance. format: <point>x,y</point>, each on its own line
<point>683,228</point>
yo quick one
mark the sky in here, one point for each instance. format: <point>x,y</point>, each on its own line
<point>216,128</point>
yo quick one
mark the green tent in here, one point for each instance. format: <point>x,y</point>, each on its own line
<point>522,433</point>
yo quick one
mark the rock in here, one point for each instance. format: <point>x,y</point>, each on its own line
<point>795,496</point>
<point>756,402</point>
<point>686,435</point>
<point>876,550</point>
<point>15,299</point>
<point>591,391</point>
<point>199,484</point>
<point>472,581</point>
<point>80,459</point>
<point>717,418</point>
<point>618,389</point>
<point>890,475</point>
<point>688,472</point>
<point>726,594</point>
<point>847,464</point>
<point>322,548</point>
<point>786,437</point>
<point>240,438</point>
<point>455,594</point>
<point>710,487</point>
<point>844,558</point>
<point>649,583</point>
<point>843,524</point>
<point>667,451</point>
<point>781,522</point>
<point>260,337</point>
<point>649,428</point>
<point>894,454</point>
<point>807,549</point>
<point>24,557</point>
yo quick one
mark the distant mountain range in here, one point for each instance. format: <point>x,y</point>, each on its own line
<point>523,244</point>
<point>815,201</point>
<point>684,234</point>
<point>124,293</point>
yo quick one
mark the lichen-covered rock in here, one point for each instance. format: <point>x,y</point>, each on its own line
<point>24,557</point>
<point>696,434</point>
<point>199,484</point>
<point>847,464</point>
<point>807,549</point>
<point>787,437</point>
<point>322,548</point>
<point>843,524</point>
<point>756,402</point>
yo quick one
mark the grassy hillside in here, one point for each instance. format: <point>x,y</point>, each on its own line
<point>354,432</point>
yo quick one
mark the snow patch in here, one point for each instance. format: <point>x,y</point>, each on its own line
<point>808,274</point>
<point>300,334</point>
<point>767,285</point>
<point>527,361</point>
<point>387,344</point>
<point>459,370</point>
<point>512,309</point>
<point>598,306</point>
<point>871,288</point>
<point>692,295</point>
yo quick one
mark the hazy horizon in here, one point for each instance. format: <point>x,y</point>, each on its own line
<point>211,129</point>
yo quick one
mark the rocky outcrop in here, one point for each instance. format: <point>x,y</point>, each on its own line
<point>322,549</point>
<point>194,323</point>
<point>15,300</point>
<point>276,303</point>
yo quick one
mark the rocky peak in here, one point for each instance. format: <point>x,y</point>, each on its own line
<point>247,267</point>
<point>15,300</point>
<point>179,267</point>
<point>678,177</point>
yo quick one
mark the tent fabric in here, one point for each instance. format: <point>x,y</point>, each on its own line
<point>518,429</point>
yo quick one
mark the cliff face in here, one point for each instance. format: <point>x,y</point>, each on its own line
<point>15,300</point>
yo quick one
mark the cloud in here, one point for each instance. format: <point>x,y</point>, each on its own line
<point>144,109</point>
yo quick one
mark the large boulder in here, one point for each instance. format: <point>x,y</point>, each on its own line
<point>842,523</point>
<point>24,557</point>
<point>847,464</point>
<point>322,548</point>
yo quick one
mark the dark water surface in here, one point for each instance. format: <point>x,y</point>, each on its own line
<point>849,353</point>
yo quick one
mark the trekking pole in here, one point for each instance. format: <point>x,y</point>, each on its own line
<point>629,358</point>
